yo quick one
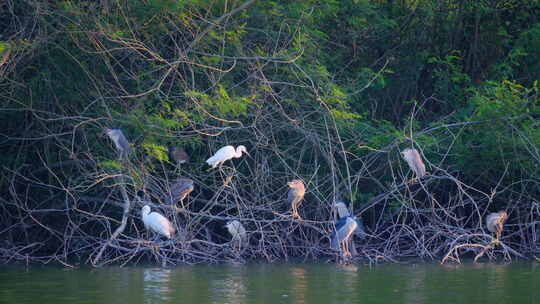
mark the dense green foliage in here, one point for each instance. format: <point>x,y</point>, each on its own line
<point>329,91</point>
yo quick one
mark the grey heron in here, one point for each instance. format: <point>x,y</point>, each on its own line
<point>157,222</point>
<point>344,228</point>
<point>225,154</point>
<point>343,211</point>
<point>295,195</point>
<point>120,141</point>
<point>415,162</point>
<point>495,222</point>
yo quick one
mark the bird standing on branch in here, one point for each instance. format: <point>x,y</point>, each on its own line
<point>344,228</point>
<point>120,141</point>
<point>179,155</point>
<point>295,195</point>
<point>157,222</point>
<point>179,190</point>
<point>343,211</point>
<point>495,222</point>
<point>225,154</point>
<point>237,231</point>
<point>415,162</point>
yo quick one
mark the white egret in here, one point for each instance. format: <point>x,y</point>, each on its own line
<point>414,160</point>
<point>296,195</point>
<point>237,231</point>
<point>157,222</point>
<point>344,228</point>
<point>225,154</point>
<point>495,222</point>
<point>120,141</point>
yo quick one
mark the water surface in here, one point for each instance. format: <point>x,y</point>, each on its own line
<point>274,283</point>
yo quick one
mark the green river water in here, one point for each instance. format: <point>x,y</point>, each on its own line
<point>274,283</point>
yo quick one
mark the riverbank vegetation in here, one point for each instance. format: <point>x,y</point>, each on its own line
<point>328,92</point>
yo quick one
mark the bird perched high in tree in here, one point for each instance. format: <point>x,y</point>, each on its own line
<point>495,222</point>
<point>415,162</point>
<point>157,222</point>
<point>295,196</point>
<point>120,141</point>
<point>225,154</point>
<point>179,190</point>
<point>178,155</point>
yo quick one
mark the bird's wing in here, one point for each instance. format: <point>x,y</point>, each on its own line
<point>290,196</point>
<point>359,231</point>
<point>336,236</point>
<point>491,221</point>
<point>419,164</point>
<point>222,154</point>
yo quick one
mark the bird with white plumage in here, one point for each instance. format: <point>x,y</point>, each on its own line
<point>225,154</point>
<point>157,223</point>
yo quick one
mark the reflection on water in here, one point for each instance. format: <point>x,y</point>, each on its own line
<point>299,284</point>
<point>229,288</point>
<point>275,283</point>
<point>157,285</point>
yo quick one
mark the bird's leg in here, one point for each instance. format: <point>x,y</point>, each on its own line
<point>346,252</point>
<point>295,213</point>
<point>412,181</point>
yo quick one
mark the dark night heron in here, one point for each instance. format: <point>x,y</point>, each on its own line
<point>495,222</point>
<point>295,195</point>
<point>237,231</point>
<point>342,211</point>
<point>225,154</point>
<point>120,141</point>
<point>178,154</point>
<point>156,222</point>
<point>415,162</point>
<point>344,229</point>
<point>179,190</point>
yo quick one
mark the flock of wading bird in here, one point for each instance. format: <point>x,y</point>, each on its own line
<point>345,227</point>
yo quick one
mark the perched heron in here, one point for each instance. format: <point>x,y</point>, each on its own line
<point>120,141</point>
<point>415,162</point>
<point>495,222</point>
<point>225,154</point>
<point>295,195</point>
<point>179,190</point>
<point>157,222</point>
<point>237,231</point>
<point>344,228</point>
<point>343,211</point>
<point>178,154</point>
